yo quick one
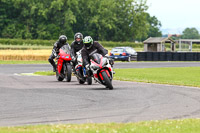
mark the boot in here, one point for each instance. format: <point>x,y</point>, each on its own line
<point>54,69</point>
<point>73,68</point>
<point>53,64</point>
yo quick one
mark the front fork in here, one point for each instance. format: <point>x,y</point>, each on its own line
<point>59,65</point>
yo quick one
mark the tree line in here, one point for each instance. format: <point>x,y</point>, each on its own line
<point>109,20</point>
<point>188,33</point>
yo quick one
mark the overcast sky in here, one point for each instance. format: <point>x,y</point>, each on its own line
<point>176,13</point>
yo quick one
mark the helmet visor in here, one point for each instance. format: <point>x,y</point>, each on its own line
<point>78,39</point>
<point>88,44</point>
<point>63,40</point>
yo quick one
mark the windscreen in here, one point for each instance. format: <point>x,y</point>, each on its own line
<point>96,57</point>
<point>65,49</point>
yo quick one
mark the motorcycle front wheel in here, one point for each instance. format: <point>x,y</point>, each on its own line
<point>58,77</point>
<point>68,73</point>
<point>107,80</point>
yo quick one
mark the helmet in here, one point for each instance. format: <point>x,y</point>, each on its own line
<point>80,36</point>
<point>88,41</point>
<point>62,39</point>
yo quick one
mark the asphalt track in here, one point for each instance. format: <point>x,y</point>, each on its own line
<point>28,100</point>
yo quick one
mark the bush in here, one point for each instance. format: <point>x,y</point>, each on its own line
<point>196,46</point>
<point>9,31</point>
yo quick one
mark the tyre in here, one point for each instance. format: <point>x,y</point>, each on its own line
<point>107,80</point>
<point>58,77</point>
<point>89,80</point>
<point>80,81</point>
<point>68,73</point>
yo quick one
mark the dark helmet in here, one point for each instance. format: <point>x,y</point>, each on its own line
<point>88,41</point>
<point>80,36</point>
<point>62,39</point>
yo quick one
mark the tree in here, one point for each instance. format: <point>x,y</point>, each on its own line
<point>95,18</point>
<point>112,20</point>
<point>8,16</point>
<point>131,20</point>
<point>190,33</point>
<point>154,26</point>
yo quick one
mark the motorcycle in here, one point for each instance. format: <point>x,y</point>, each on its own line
<point>64,69</point>
<point>102,71</point>
<point>81,71</point>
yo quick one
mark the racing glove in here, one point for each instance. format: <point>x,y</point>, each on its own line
<point>73,59</point>
<point>87,67</point>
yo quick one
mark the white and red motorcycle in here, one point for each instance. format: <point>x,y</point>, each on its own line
<point>101,69</point>
<point>80,70</point>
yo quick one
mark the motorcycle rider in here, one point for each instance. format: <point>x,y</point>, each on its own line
<point>76,45</point>
<point>55,51</point>
<point>90,47</point>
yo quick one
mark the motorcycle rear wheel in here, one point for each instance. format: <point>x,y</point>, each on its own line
<point>89,80</point>
<point>80,81</point>
<point>107,80</point>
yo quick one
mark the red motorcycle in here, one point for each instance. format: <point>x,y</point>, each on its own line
<point>102,70</point>
<point>64,69</point>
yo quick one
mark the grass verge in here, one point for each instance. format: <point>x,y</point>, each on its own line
<point>164,126</point>
<point>187,76</point>
<point>22,62</point>
<point>45,73</point>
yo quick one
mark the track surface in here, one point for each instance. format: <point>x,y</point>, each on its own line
<point>42,100</point>
<point>45,67</point>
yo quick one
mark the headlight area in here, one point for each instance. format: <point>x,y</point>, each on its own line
<point>105,62</point>
<point>94,67</point>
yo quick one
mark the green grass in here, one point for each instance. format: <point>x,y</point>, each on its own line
<point>45,73</point>
<point>23,62</point>
<point>187,76</point>
<point>164,126</point>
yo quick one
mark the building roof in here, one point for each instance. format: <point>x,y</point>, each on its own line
<point>190,40</point>
<point>158,40</point>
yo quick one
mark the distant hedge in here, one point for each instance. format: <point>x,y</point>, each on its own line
<point>26,42</point>
<point>117,44</point>
<point>51,42</point>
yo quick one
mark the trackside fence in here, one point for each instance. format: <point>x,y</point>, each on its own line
<point>168,56</point>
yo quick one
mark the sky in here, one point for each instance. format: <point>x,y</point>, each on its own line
<point>175,14</point>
